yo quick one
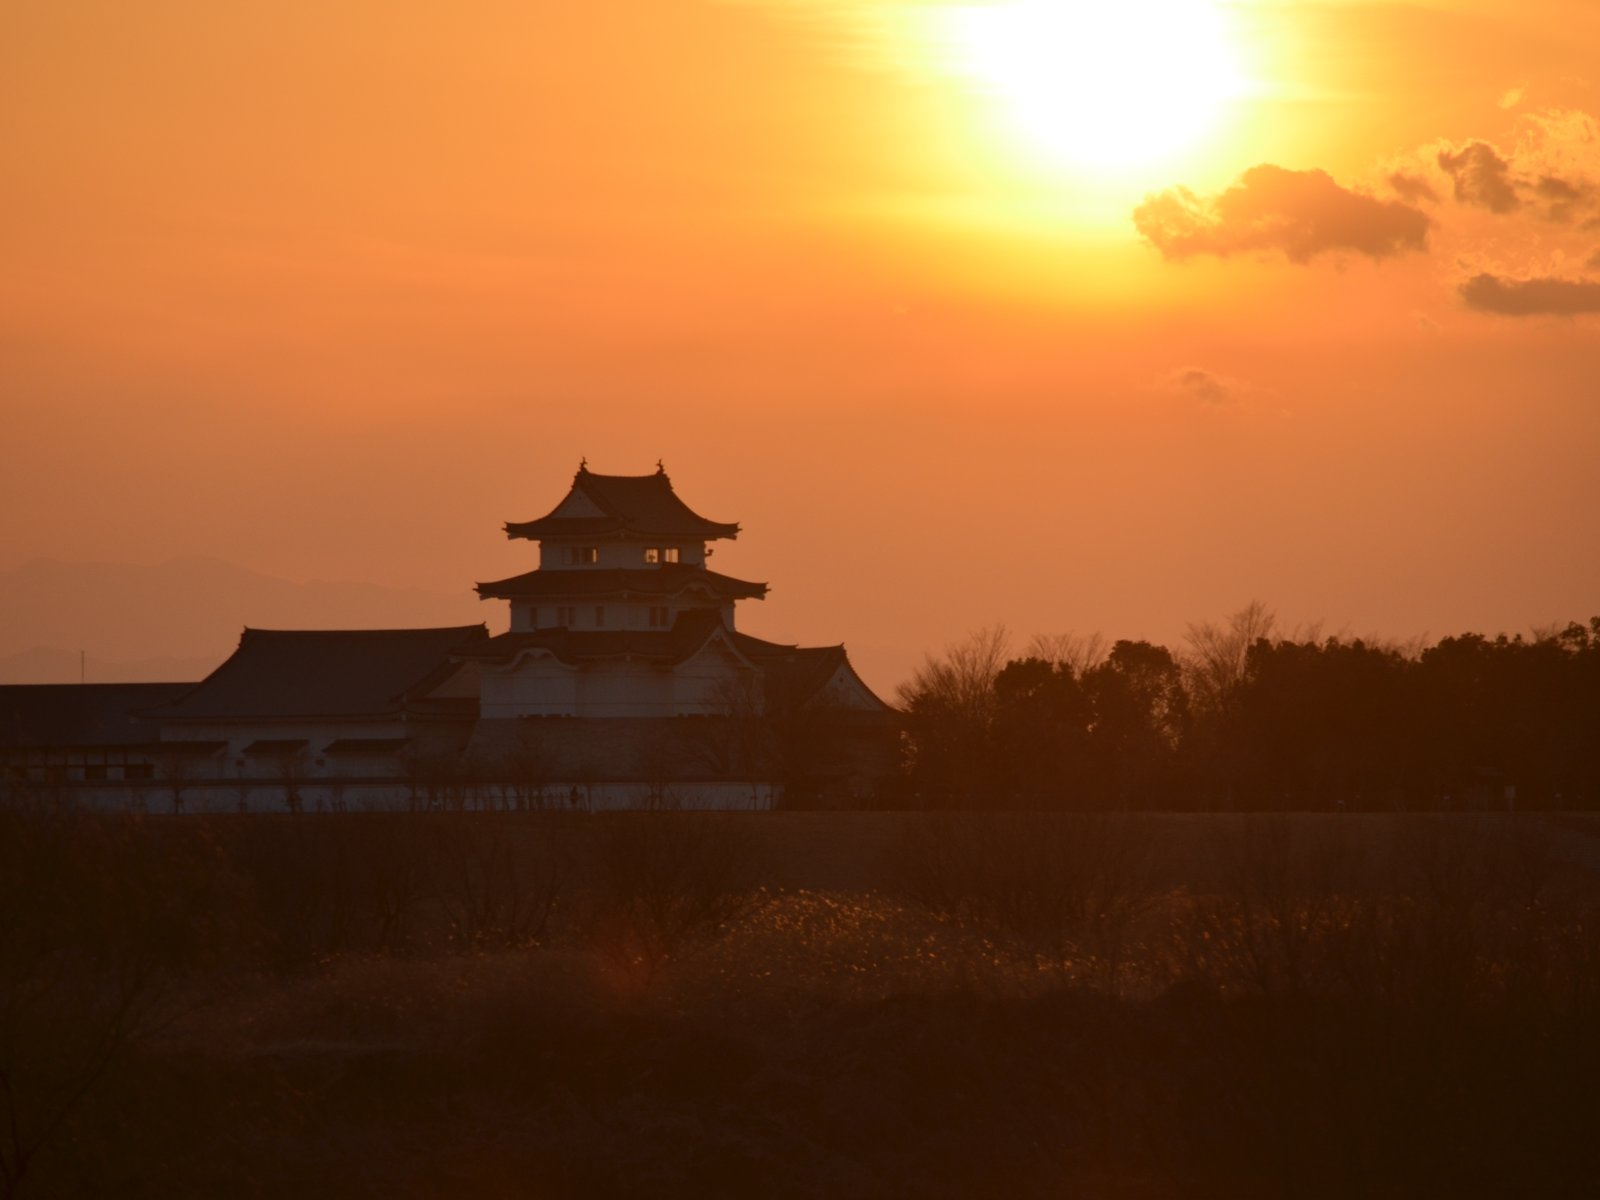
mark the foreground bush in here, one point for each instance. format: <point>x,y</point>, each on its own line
<point>1039,1007</point>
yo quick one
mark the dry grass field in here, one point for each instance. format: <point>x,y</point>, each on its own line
<point>800,1004</point>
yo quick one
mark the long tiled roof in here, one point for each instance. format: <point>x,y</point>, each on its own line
<point>668,579</point>
<point>644,505</point>
<point>325,672</point>
<point>82,714</point>
<point>665,646</point>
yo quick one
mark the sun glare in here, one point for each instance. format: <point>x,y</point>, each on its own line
<point>1102,85</point>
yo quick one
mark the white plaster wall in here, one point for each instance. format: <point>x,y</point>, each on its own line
<point>706,683</point>
<point>577,505</point>
<point>616,552</point>
<point>844,690</point>
<point>532,687</point>
<point>526,616</point>
<point>315,797</point>
<point>462,683</point>
<point>624,689</point>
<point>236,776</point>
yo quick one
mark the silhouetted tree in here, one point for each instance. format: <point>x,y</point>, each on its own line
<point>1041,734</point>
<point>1141,712</point>
<point>950,707</point>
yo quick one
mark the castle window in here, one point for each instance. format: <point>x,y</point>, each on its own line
<point>139,771</point>
<point>533,617</point>
<point>658,616</point>
<point>599,615</point>
<point>661,554</point>
<point>566,616</point>
<point>580,556</point>
<point>94,773</point>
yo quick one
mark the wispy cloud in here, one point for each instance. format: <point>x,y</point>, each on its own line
<point>1197,383</point>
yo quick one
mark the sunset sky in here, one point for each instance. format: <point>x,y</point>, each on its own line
<point>968,312</point>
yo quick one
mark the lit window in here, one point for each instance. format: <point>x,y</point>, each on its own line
<point>661,554</point>
<point>580,556</point>
<point>658,616</point>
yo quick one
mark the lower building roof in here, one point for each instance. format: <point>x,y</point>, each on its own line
<point>82,714</point>
<point>325,673</point>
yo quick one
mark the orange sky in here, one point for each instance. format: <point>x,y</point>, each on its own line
<point>332,289</point>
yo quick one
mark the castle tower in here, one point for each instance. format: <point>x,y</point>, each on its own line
<point>622,618</point>
<point>620,552</point>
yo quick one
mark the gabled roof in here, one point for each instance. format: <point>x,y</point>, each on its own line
<point>665,647</point>
<point>667,579</point>
<point>82,714</point>
<point>609,505</point>
<point>796,675</point>
<point>325,673</point>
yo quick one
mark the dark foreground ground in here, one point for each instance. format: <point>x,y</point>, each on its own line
<point>799,1005</point>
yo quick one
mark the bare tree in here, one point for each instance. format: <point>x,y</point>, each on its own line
<point>665,882</point>
<point>1080,653</point>
<point>733,742</point>
<point>950,705</point>
<point>1219,654</point>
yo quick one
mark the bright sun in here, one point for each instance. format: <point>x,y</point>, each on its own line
<point>1102,85</point>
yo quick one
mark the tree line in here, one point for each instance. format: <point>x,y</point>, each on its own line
<point>1242,717</point>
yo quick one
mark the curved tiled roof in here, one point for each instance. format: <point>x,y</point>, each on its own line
<point>325,672</point>
<point>795,675</point>
<point>665,580</point>
<point>664,646</point>
<point>644,505</point>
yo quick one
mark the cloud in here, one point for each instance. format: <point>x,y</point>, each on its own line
<point>1481,176</point>
<point>1594,261</point>
<point>1412,188</point>
<point>1530,297</point>
<point>1301,213</point>
<point>1564,199</point>
<point>1197,383</point>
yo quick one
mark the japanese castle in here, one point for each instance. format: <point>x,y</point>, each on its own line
<point>622,680</point>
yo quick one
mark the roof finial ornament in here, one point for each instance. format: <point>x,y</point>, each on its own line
<point>583,464</point>
<point>660,469</point>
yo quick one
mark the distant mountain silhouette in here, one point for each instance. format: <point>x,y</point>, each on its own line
<point>177,620</point>
<point>46,664</point>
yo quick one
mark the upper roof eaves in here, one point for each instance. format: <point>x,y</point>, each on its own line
<point>665,579</point>
<point>643,505</point>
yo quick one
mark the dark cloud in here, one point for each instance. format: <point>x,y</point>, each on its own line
<point>1412,188</point>
<point>1481,177</point>
<point>1594,261</point>
<point>1301,213</point>
<point>1200,384</point>
<point>1564,199</point>
<point>1530,297</point>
